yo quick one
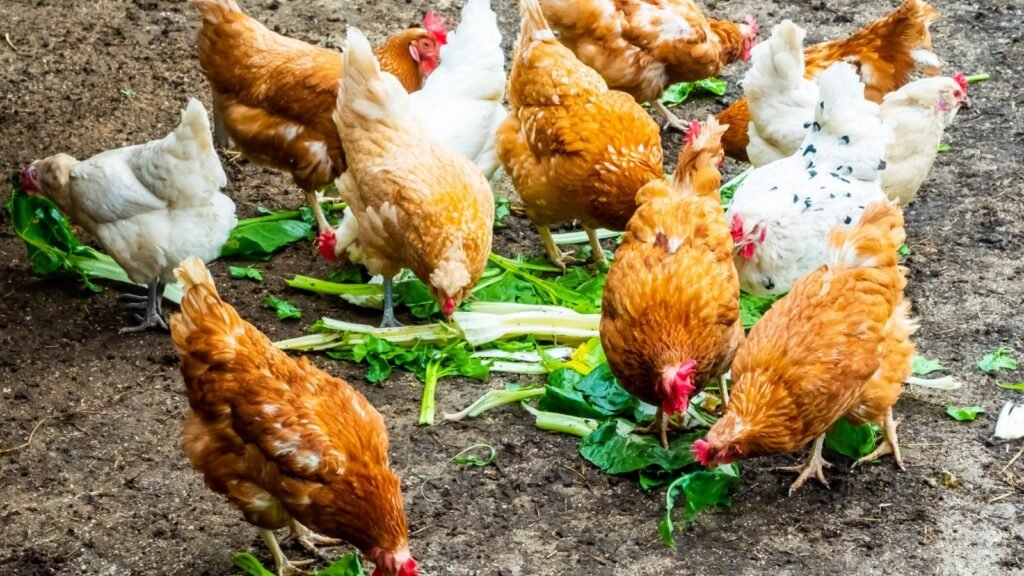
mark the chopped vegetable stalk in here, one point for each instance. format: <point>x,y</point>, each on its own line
<point>494,399</point>
<point>334,289</point>
<point>943,383</point>
<point>562,423</point>
<point>581,236</point>
<point>977,78</point>
<point>480,328</point>
<point>434,373</point>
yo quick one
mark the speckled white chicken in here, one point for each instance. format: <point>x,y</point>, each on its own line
<point>782,213</point>
<point>151,205</point>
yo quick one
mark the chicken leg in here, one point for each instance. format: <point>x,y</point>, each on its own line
<point>313,199</point>
<point>671,120</point>
<point>556,256</point>
<point>595,248</point>
<point>389,320</point>
<point>657,426</point>
<point>889,445</point>
<point>815,466</point>
<point>283,565</point>
<point>309,539</point>
<point>153,305</point>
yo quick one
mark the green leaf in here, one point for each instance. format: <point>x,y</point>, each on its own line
<point>502,210</point>
<point>1000,359</point>
<point>285,310</point>
<point>245,272</point>
<point>752,308</point>
<point>615,450</point>
<point>944,148</point>
<point>348,274</point>
<point>922,366</point>
<point>702,488</point>
<point>964,413</point>
<point>570,402</point>
<point>260,240</point>
<point>417,298</point>
<point>852,441</point>
<point>250,565</point>
<point>1017,386</point>
<point>977,78</point>
<point>605,394</point>
<point>467,458</point>
<point>347,565</point>
<point>680,92</point>
<point>903,251</point>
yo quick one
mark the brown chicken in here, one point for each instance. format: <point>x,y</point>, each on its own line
<point>574,149</point>
<point>643,46</point>
<point>670,317</point>
<point>418,204</point>
<point>837,345</point>
<point>287,443</point>
<point>885,52</point>
<point>274,95</point>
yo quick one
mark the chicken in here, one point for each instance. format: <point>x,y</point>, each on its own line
<point>151,205</point>
<point>886,52</point>
<point>781,214</point>
<point>643,46</point>
<point>917,115</point>
<point>837,345</point>
<point>286,442</point>
<point>670,314</point>
<point>460,103</point>
<point>418,204</point>
<point>274,95</point>
<point>573,148</point>
<point>782,102</point>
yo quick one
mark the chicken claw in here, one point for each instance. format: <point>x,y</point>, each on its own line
<point>671,120</point>
<point>151,303</point>
<point>815,466</point>
<point>596,250</point>
<point>556,256</point>
<point>890,444</point>
<point>660,425</point>
<point>284,566</point>
<point>309,539</point>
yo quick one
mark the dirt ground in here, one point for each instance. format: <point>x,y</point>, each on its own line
<point>104,488</point>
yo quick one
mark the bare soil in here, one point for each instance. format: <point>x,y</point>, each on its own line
<point>103,487</point>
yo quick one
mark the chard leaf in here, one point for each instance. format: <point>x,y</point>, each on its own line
<point>567,401</point>
<point>964,413</point>
<point>347,565</point>
<point>681,91</point>
<point>502,211</point>
<point>1017,386</point>
<point>1000,359</point>
<point>615,450</point>
<point>260,240</point>
<point>752,308</point>
<point>702,488</point>
<point>285,310</point>
<point>922,366</point>
<point>903,251</point>
<point>416,297</point>
<point>605,394</point>
<point>250,565</point>
<point>852,441</point>
<point>247,272</point>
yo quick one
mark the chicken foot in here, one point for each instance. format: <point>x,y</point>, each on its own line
<point>595,249</point>
<point>153,305</point>
<point>313,199</point>
<point>889,445</point>
<point>556,256</point>
<point>660,425</point>
<point>389,320</point>
<point>671,120</point>
<point>815,466</point>
<point>309,539</point>
<point>283,565</point>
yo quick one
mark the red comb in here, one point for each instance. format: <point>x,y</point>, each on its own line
<point>434,24</point>
<point>701,451</point>
<point>737,228</point>
<point>961,80</point>
<point>752,22</point>
<point>692,131</point>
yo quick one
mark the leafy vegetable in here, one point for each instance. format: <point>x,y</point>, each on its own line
<point>245,272</point>
<point>680,92</point>
<point>1000,359</point>
<point>451,361</point>
<point>964,413</point>
<point>752,308</point>
<point>1017,386</point>
<point>347,565</point>
<point>250,565</point>
<point>562,423</point>
<point>944,148</point>
<point>258,238</point>
<point>852,441</point>
<point>53,247</point>
<point>582,238</point>
<point>903,251</point>
<point>615,450</point>
<point>728,189</point>
<point>502,211</point>
<point>285,310</point>
<point>977,78</point>
<point>702,488</point>
<point>922,366</point>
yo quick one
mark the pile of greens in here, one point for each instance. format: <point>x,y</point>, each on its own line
<point>347,565</point>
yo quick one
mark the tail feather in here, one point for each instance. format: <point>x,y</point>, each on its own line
<point>367,93</point>
<point>778,64</point>
<point>841,101</point>
<point>215,10</point>
<point>872,243</point>
<point>195,125</point>
<point>697,172</point>
<point>533,26</point>
<point>207,327</point>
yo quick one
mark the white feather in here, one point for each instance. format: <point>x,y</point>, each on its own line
<point>1010,425</point>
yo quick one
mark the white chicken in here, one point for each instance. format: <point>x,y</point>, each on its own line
<point>151,205</point>
<point>781,213</point>
<point>460,104</point>
<point>781,100</point>
<point>917,115</point>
